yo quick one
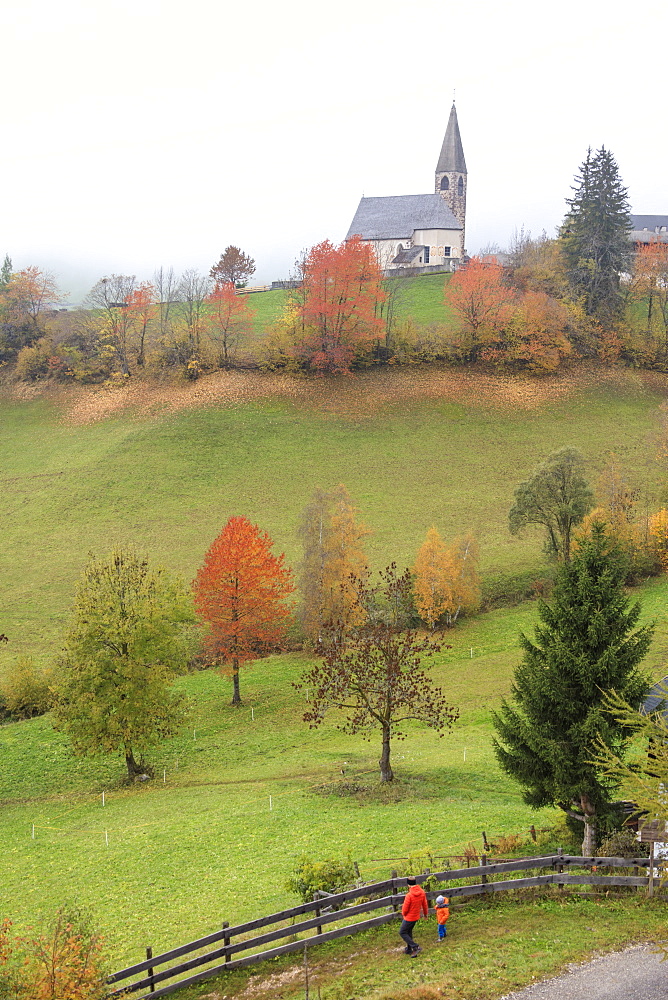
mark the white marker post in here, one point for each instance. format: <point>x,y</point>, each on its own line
<point>33,831</point>
<point>106,838</point>
<point>464,754</point>
<point>102,799</point>
<point>270,804</point>
<point>252,715</point>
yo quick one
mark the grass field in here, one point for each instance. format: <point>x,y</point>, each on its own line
<point>164,467</point>
<point>92,468</point>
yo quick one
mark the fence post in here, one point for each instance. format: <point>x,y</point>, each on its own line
<point>318,929</point>
<point>226,941</point>
<point>560,867</point>
<point>393,876</point>
<point>483,877</point>
<point>650,881</point>
<point>149,954</point>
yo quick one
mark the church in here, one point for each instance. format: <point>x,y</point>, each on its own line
<point>421,230</point>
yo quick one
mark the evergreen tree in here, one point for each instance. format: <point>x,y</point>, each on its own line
<point>5,272</point>
<point>595,236</point>
<point>587,644</point>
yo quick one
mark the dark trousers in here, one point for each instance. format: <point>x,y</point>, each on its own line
<point>406,932</point>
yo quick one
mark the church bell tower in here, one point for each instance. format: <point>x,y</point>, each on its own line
<point>451,173</point>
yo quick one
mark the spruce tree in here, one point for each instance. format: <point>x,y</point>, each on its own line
<point>586,644</point>
<point>595,236</point>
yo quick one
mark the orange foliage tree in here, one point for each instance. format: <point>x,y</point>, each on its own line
<point>229,315</point>
<point>650,283</point>
<point>335,312</point>
<point>535,337</point>
<point>483,303</point>
<point>241,591</point>
<point>141,305</point>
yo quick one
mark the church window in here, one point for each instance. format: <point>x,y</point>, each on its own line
<point>400,247</point>
<point>460,186</point>
<point>426,255</point>
<point>445,183</point>
<point>447,251</point>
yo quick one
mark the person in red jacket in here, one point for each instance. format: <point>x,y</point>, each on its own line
<point>414,906</point>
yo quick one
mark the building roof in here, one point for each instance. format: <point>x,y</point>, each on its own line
<point>654,223</point>
<point>657,698</point>
<point>397,216</point>
<point>408,256</point>
<point>452,151</point>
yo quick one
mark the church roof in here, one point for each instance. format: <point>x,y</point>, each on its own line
<point>452,151</point>
<point>397,216</point>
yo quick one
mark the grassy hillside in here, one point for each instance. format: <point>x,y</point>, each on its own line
<point>93,467</point>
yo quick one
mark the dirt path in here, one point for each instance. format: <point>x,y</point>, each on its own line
<point>637,973</point>
<point>356,396</point>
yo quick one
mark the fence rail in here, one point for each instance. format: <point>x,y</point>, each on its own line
<point>337,908</point>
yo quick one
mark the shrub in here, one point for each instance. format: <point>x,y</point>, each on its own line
<point>311,876</point>
<point>25,689</point>
<point>62,962</point>
<point>65,962</point>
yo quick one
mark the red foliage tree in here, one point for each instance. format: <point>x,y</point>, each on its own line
<point>335,312</point>
<point>482,301</point>
<point>229,314</point>
<point>240,592</point>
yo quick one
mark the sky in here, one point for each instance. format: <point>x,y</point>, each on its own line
<point>148,133</point>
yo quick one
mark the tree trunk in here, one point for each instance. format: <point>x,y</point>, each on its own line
<point>589,839</point>
<point>131,764</point>
<point>386,772</point>
<point>236,697</point>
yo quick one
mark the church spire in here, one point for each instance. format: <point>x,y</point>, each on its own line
<point>451,176</point>
<point>452,151</point>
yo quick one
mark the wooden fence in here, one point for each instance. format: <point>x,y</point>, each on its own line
<point>340,909</point>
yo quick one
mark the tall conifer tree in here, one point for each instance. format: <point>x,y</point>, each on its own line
<point>587,644</point>
<point>595,236</point>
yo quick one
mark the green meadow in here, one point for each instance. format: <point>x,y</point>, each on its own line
<point>240,794</point>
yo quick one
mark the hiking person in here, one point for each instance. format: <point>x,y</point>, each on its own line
<point>414,906</point>
<point>442,907</point>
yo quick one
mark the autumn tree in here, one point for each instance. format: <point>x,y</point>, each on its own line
<point>114,322</point>
<point>371,673</point>
<point>587,644</point>
<point>594,237</point>
<point>446,580</point>
<point>650,287</point>
<point>332,538</point>
<point>142,310</point>
<point>334,313</point>
<point>234,267</point>
<point>193,289</point>
<point>535,337</point>
<point>482,302</point>
<point>25,297</point>
<point>556,496</point>
<point>128,639</point>
<point>229,316</point>
<point>241,592</point>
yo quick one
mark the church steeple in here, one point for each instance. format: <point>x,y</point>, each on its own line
<point>451,175</point>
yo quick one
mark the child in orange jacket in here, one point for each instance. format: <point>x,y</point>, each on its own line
<point>442,907</point>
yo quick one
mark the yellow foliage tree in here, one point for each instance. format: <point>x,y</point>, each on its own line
<point>446,579</point>
<point>333,543</point>
<point>658,529</point>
